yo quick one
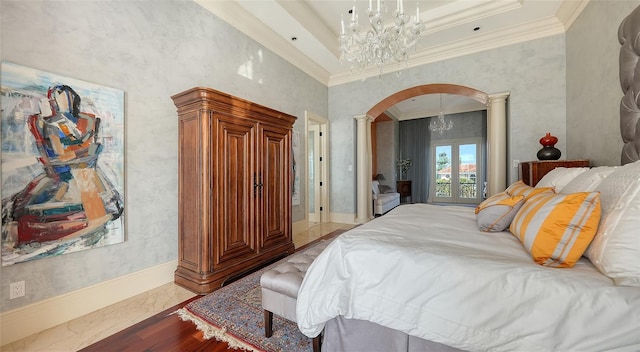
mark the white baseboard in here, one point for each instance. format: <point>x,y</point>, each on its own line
<point>33,318</point>
<point>343,218</point>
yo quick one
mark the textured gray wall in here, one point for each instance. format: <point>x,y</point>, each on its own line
<point>534,73</point>
<point>151,50</point>
<point>593,84</point>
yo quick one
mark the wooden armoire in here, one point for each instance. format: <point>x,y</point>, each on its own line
<point>234,187</point>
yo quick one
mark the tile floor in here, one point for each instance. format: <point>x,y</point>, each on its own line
<point>88,329</point>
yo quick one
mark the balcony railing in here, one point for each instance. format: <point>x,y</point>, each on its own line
<point>467,189</point>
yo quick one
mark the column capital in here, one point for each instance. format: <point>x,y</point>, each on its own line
<point>497,97</point>
<point>365,118</point>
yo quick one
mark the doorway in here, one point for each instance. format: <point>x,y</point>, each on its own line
<point>496,165</point>
<point>317,162</point>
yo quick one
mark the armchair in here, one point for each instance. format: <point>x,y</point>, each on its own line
<point>383,201</point>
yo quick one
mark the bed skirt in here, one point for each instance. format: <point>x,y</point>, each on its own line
<point>352,335</point>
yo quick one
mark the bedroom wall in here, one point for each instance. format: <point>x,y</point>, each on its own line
<point>593,83</point>
<point>151,50</point>
<point>533,72</point>
<point>386,151</point>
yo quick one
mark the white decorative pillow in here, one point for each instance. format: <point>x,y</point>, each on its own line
<point>559,177</point>
<point>495,213</point>
<point>615,249</point>
<point>588,180</point>
<point>375,187</point>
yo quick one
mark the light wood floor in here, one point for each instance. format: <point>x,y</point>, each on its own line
<point>141,322</point>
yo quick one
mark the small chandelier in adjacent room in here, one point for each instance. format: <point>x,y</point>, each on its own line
<point>439,124</point>
<point>382,43</point>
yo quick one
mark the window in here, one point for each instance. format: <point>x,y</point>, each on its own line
<point>457,171</point>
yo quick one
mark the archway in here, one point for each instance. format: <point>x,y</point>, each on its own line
<point>496,137</point>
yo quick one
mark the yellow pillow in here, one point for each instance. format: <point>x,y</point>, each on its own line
<point>556,229</point>
<point>495,213</point>
<point>520,188</point>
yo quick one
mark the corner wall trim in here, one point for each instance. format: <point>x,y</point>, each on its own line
<point>33,318</point>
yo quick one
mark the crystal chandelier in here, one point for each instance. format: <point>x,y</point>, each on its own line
<point>380,44</point>
<point>439,124</point>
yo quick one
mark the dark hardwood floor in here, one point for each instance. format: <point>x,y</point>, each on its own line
<point>162,332</point>
<point>165,331</point>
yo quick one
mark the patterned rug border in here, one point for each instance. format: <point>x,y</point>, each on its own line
<point>210,330</point>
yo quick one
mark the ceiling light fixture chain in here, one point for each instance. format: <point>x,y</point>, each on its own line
<point>439,124</point>
<point>382,43</point>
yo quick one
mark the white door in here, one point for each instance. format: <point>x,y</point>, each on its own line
<point>457,175</point>
<point>317,168</point>
<point>314,167</point>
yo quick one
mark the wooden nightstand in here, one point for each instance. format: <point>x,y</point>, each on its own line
<point>404,188</point>
<point>532,171</point>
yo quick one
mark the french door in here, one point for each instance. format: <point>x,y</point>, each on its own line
<point>457,171</point>
<point>314,173</point>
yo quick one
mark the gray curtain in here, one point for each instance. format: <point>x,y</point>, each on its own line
<point>414,144</point>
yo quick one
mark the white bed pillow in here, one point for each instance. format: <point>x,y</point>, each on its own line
<point>615,250</point>
<point>559,177</point>
<point>588,180</point>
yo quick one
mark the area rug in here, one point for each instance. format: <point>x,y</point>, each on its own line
<point>234,314</point>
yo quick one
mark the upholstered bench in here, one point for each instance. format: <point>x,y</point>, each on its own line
<point>280,287</point>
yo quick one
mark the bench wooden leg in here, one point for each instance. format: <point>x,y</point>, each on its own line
<point>268,323</point>
<point>316,343</point>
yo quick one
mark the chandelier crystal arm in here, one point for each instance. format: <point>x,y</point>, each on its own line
<point>439,124</point>
<point>381,44</point>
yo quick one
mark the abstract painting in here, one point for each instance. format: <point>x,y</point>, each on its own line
<point>62,164</point>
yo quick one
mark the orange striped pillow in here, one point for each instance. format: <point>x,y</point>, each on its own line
<point>519,188</point>
<point>556,229</point>
<point>495,213</point>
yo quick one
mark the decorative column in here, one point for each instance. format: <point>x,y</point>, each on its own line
<point>363,169</point>
<point>497,143</point>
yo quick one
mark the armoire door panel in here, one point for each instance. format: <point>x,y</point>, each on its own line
<point>234,197</point>
<point>276,149</point>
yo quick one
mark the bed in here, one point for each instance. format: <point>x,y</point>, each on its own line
<point>428,272</point>
<point>444,278</point>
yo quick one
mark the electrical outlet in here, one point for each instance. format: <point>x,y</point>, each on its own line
<point>16,289</point>
<point>516,163</point>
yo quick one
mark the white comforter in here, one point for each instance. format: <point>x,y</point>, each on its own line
<point>427,271</point>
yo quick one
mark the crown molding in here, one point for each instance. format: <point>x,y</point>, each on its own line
<point>514,35</point>
<point>245,22</point>
<point>312,23</point>
<point>452,16</point>
<point>447,17</point>
<point>394,113</point>
<point>569,11</point>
